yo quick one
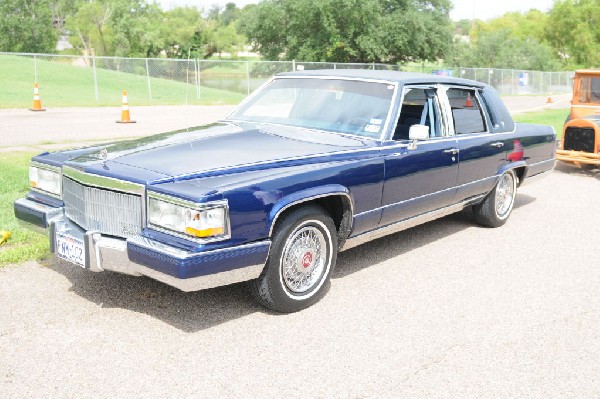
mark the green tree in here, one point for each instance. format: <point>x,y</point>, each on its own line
<point>574,30</point>
<point>26,26</point>
<point>177,30</point>
<point>500,49</point>
<point>349,30</point>
<point>117,27</point>
<point>530,25</point>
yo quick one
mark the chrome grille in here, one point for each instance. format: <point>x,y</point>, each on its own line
<point>579,139</point>
<point>109,212</point>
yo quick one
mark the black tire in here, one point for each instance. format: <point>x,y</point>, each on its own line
<point>487,213</point>
<point>277,289</point>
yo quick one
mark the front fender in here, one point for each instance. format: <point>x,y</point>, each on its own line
<point>306,195</point>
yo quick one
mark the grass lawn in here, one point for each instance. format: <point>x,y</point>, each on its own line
<point>63,84</point>
<point>23,244</point>
<point>552,117</point>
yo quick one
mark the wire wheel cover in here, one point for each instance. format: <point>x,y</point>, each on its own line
<point>304,259</point>
<point>505,194</point>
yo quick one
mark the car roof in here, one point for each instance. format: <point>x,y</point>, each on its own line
<point>588,71</point>
<point>390,76</point>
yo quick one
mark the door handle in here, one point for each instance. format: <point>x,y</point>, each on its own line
<point>497,144</point>
<point>452,151</point>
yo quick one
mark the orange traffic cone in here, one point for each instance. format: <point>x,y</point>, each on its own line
<point>549,100</point>
<point>125,117</point>
<point>469,102</point>
<point>37,103</point>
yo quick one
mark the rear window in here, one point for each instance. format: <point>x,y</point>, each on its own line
<point>466,111</point>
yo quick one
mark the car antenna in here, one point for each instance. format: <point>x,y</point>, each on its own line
<point>187,83</point>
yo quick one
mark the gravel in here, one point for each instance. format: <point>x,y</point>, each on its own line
<point>446,309</point>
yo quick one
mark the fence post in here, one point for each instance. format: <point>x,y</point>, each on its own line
<point>197,68</point>
<point>293,65</point>
<point>95,78</point>
<point>512,82</point>
<point>335,65</point>
<point>35,68</point>
<point>248,76</point>
<point>148,79</point>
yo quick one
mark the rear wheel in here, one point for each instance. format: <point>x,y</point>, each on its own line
<point>300,263</point>
<point>495,209</point>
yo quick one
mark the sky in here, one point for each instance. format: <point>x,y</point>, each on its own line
<point>463,9</point>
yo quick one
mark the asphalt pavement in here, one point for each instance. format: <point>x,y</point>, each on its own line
<point>446,309</point>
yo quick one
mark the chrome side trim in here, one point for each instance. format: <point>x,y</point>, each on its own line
<point>406,224</point>
<point>310,199</point>
<point>542,162</point>
<point>430,194</point>
<point>102,181</point>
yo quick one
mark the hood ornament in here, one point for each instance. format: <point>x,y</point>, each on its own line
<point>103,155</point>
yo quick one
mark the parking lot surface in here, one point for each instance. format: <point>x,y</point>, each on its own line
<point>447,309</point>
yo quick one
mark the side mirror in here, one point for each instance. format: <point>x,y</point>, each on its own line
<point>418,132</point>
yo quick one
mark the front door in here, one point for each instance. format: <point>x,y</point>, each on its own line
<point>421,179</point>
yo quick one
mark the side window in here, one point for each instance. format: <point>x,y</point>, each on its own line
<point>466,111</point>
<point>420,106</point>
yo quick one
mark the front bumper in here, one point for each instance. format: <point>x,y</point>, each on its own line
<point>141,256</point>
<point>578,157</point>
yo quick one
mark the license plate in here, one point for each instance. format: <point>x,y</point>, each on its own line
<point>70,249</point>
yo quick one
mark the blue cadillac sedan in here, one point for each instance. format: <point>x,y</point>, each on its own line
<point>311,164</point>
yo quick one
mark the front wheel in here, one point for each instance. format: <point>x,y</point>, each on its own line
<point>495,209</point>
<point>300,263</point>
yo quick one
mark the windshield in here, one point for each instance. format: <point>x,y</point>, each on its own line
<point>345,106</point>
<point>590,90</point>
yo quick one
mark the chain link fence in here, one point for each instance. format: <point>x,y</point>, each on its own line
<point>69,81</point>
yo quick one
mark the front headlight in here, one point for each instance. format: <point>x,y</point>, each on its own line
<point>203,221</point>
<point>45,178</point>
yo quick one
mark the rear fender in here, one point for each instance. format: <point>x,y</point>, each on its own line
<point>520,165</point>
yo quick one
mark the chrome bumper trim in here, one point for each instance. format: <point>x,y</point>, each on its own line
<point>111,254</point>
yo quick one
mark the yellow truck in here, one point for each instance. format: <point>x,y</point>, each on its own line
<point>580,143</point>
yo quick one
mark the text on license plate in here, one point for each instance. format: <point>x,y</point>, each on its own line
<point>70,249</point>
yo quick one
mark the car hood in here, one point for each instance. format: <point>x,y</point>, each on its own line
<point>207,151</point>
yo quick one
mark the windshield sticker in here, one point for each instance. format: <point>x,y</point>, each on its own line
<point>372,128</point>
<point>390,87</point>
<point>376,121</point>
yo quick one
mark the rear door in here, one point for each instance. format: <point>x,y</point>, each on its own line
<point>482,153</point>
